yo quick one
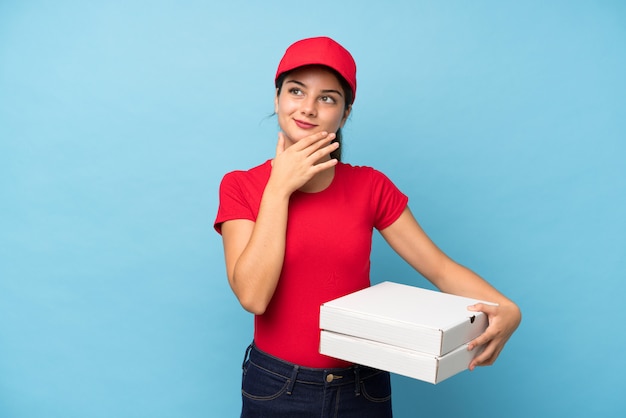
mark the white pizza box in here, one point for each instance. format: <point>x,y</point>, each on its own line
<point>405,316</point>
<point>426,367</point>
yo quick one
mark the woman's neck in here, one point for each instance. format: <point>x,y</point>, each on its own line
<point>319,182</point>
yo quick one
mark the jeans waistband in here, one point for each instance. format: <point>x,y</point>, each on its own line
<point>328,377</point>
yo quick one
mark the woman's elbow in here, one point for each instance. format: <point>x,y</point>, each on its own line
<point>251,300</point>
<point>253,305</point>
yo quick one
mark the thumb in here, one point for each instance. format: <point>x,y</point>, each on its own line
<point>280,146</point>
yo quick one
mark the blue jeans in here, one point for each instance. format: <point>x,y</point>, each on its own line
<point>275,388</point>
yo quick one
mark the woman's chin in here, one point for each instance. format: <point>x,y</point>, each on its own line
<point>293,137</point>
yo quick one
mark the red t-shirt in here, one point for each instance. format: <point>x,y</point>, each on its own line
<point>327,255</point>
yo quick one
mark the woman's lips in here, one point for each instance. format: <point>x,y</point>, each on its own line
<point>304,125</point>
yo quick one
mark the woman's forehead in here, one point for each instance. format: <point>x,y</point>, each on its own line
<point>314,74</point>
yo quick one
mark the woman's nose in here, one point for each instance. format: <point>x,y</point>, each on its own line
<point>309,107</point>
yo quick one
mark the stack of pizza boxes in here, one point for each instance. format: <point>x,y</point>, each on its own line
<point>415,332</point>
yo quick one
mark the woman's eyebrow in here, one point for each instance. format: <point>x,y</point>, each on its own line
<point>296,82</point>
<point>332,91</point>
<point>326,91</point>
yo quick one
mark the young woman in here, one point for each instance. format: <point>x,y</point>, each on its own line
<point>297,232</point>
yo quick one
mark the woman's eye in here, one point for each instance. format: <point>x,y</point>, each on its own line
<point>327,99</point>
<point>296,91</point>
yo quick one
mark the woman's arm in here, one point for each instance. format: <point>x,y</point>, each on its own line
<point>408,239</point>
<point>254,251</point>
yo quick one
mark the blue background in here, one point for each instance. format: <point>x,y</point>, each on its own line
<point>504,123</point>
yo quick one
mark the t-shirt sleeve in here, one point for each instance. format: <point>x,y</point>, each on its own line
<point>233,202</point>
<point>389,202</point>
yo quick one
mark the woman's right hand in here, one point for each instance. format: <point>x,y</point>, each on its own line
<point>255,251</point>
<point>295,165</point>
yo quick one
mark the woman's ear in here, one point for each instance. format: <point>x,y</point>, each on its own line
<point>345,115</point>
<point>276,102</point>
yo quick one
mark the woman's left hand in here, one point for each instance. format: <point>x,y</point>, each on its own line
<point>503,321</point>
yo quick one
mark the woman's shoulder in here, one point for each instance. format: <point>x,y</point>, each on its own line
<point>364,176</point>
<point>253,179</point>
<point>254,171</point>
<point>258,172</point>
<point>360,171</point>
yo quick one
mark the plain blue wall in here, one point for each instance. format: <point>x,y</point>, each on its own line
<point>504,123</point>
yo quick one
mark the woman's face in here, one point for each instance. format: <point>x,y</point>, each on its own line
<point>310,100</point>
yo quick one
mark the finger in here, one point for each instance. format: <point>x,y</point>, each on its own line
<point>483,307</point>
<point>325,165</point>
<point>487,357</point>
<point>323,152</point>
<point>280,146</point>
<point>478,360</point>
<point>322,147</point>
<point>482,339</point>
<point>315,141</point>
